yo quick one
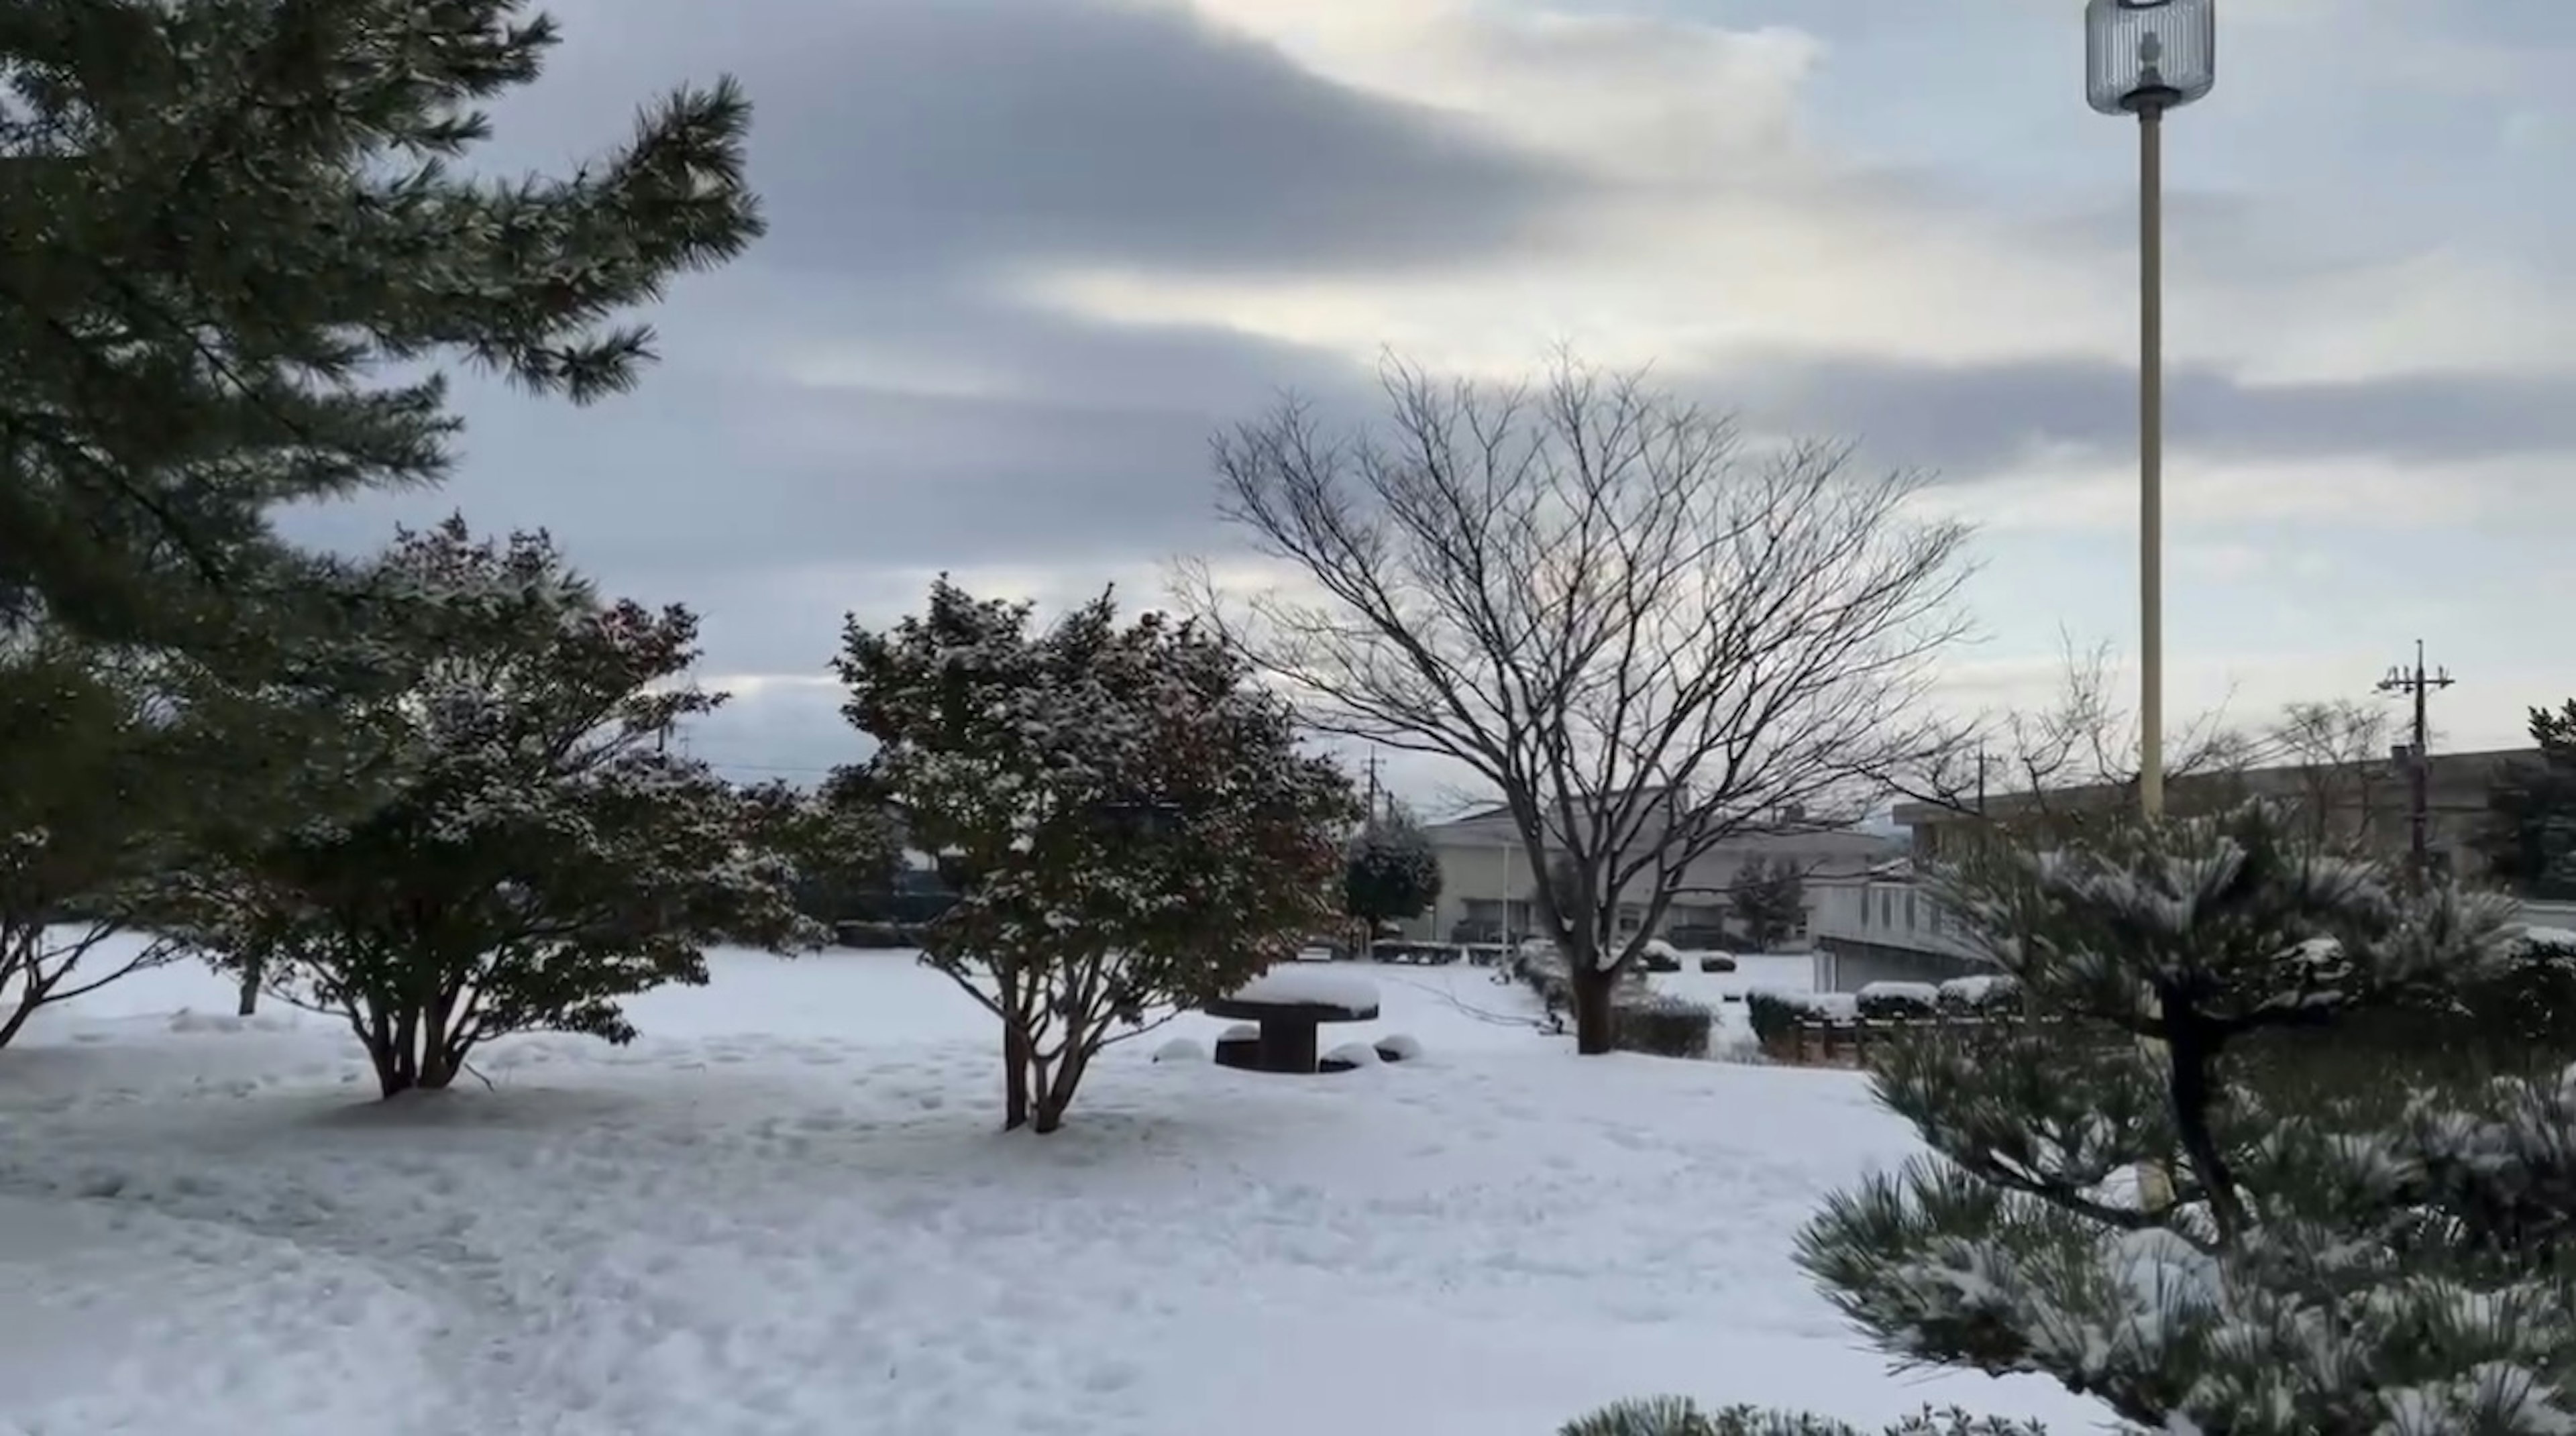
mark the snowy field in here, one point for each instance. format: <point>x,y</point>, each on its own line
<point>786,1211</point>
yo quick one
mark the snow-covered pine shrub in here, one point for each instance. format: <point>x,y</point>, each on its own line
<point>1898,1001</point>
<point>1135,827</point>
<point>1662,1025</point>
<point>1716,962</point>
<point>2369,1259</point>
<point>1678,1416</point>
<point>526,853</point>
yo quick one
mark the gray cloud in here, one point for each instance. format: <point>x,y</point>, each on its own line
<point>1967,420</point>
<point>948,137</point>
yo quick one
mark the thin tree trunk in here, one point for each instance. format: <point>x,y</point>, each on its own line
<point>249,1005</point>
<point>1015,1077</point>
<point>1058,1097</point>
<point>1593,989</point>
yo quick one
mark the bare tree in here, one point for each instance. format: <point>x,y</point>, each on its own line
<point>2080,750</point>
<point>2334,758</point>
<point>1646,633</point>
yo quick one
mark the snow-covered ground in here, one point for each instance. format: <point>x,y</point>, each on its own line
<point>786,1211</point>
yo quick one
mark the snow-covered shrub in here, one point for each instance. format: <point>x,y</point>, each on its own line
<point>527,853</point>
<point>1662,1025</point>
<point>1898,1001</point>
<point>2382,1257</point>
<point>1677,1416</point>
<point>1985,994</point>
<point>1181,1049</point>
<point>1391,873</point>
<point>1134,825</point>
<point>1716,962</point>
<point>1772,1015</point>
<point>1398,1047</point>
<point>1659,956</point>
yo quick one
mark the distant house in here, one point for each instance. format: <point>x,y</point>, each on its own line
<point>1885,926</point>
<point>1488,892</point>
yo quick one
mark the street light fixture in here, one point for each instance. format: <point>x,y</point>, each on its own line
<point>2144,57</point>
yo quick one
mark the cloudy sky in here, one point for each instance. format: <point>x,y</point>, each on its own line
<point>1026,254</point>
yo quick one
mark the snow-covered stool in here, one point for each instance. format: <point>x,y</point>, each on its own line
<point>1239,1046</point>
<point>1288,1006</point>
<point>1349,1057</point>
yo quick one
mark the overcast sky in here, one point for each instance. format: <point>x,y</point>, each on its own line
<point>1026,254</point>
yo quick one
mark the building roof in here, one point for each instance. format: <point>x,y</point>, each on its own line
<point>2280,779</point>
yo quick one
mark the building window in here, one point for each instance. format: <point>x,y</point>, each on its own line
<point>1909,908</point>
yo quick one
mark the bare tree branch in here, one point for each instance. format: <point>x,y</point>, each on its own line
<point>1646,633</point>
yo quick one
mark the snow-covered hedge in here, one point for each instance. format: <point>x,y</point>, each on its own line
<point>1677,1416</point>
<point>1983,994</point>
<point>1898,1001</point>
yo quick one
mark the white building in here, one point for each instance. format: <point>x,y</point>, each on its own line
<point>1488,891</point>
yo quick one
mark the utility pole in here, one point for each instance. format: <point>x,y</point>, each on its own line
<point>2417,755</point>
<point>1372,785</point>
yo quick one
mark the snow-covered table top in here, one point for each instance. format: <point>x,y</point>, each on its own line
<point>1300,993</point>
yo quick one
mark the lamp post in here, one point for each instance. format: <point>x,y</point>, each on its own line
<point>2142,58</point>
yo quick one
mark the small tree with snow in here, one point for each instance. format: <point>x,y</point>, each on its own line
<point>529,853</point>
<point>100,799</point>
<point>1134,826</point>
<point>1392,873</point>
<point>2355,1260</point>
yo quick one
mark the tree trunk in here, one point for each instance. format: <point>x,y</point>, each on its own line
<point>396,1071</point>
<point>1015,1077</point>
<point>1057,1099</point>
<point>249,1006</point>
<point>1593,990</point>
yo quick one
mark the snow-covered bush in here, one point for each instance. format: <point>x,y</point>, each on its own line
<point>1985,994</point>
<point>1391,873</point>
<point>1662,1025</point>
<point>1716,962</point>
<point>1777,1013</point>
<point>1898,1001</point>
<point>1134,825</point>
<point>1659,956</point>
<point>2354,1260</point>
<point>527,853</point>
<point>1182,1049</point>
<point>1677,1416</point>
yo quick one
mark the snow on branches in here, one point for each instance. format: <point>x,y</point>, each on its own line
<point>1135,827</point>
<point>529,852</point>
<point>2348,1245</point>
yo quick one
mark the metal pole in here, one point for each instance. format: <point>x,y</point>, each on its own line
<point>2151,446</point>
<point>2419,817</point>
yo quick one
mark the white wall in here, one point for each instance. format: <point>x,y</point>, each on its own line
<point>1482,862</point>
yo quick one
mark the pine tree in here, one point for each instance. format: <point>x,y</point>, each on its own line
<point>227,217</point>
<point>1133,824</point>
<point>2530,836</point>
<point>1770,899</point>
<point>2356,1252</point>
<point>526,851</point>
<point>1391,873</point>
